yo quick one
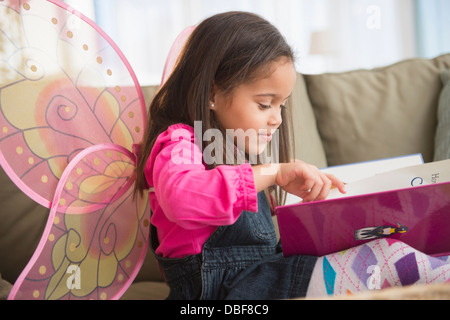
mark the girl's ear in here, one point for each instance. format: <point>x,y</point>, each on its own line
<point>212,98</point>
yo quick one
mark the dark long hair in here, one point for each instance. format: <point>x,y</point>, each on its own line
<point>225,50</point>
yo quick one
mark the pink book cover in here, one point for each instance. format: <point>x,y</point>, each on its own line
<point>418,215</point>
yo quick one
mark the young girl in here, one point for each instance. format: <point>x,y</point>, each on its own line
<point>212,214</point>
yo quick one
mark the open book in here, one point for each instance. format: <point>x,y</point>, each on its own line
<point>407,177</point>
<point>399,198</point>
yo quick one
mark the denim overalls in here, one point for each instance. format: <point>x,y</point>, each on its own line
<point>239,262</point>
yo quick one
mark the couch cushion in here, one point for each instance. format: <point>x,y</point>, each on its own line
<point>21,227</point>
<point>442,151</point>
<point>22,221</point>
<point>147,291</point>
<point>149,92</point>
<point>385,112</point>
<point>5,288</point>
<point>308,144</point>
<point>150,270</point>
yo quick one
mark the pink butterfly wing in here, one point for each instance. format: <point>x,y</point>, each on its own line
<point>175,51</point>
<point>64,86</point>
<point>97,234</point>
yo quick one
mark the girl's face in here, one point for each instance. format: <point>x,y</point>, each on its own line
<point>253,111</point>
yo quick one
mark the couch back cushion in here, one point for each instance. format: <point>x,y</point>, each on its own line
<point>385,112</point>
<point>442,151</point>
<point>21,227</point>
<point>308,143</point>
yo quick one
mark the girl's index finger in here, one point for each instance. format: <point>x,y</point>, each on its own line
<point>337,183</point>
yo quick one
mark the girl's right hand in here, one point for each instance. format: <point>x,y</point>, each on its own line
<point>306,181</point>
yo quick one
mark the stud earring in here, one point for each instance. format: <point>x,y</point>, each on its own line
<point>213,105</point>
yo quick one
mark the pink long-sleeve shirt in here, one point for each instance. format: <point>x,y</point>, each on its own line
<point>189,201</point>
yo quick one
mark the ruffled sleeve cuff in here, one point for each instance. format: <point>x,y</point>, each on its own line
<point>248,189</point>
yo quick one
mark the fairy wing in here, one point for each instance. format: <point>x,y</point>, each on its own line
<point>64,86</point>
<point>175,51</point>
<point>97,233</point>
